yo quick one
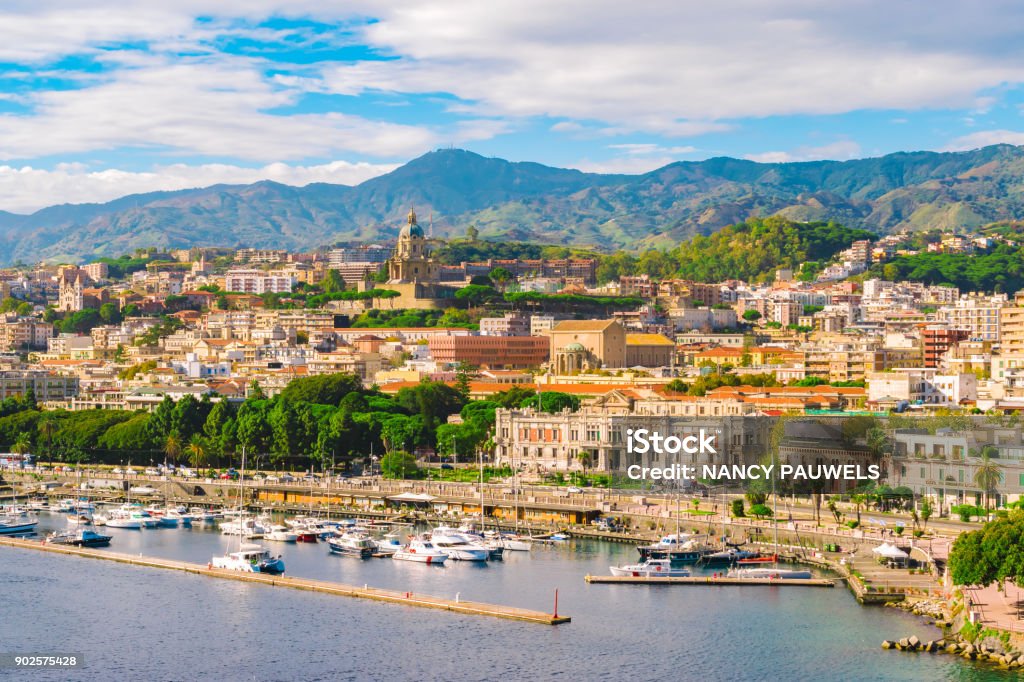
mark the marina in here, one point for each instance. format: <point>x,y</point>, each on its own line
<point>406,598</point>
<point>309,617</point>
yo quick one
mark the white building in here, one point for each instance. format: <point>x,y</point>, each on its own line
<point>257,282</point>
<point>922,386</point>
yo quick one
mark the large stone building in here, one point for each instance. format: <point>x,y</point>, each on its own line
<point>490,351</point>
<point>944,465</point>
<point>586,345</point>
<point>413,273</point>
<point>543,442</point>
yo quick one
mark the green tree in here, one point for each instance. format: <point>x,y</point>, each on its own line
<point>172,447</point>
<point>332,282</point>
<point>751,315</point>
<point>399,464</point>
<point>197,454</point>
<point>501,277</point>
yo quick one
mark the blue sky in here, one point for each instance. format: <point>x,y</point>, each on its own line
<point>100,99</point>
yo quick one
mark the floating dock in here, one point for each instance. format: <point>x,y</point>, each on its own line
<point>708,580</point>
<point>390,596</point>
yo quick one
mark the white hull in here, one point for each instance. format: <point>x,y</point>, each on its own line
<point>281,536</point>
<point>764,573</point>
<point>458,554</point>
<point>234,564</point>
<point>645,572</point>
<point>405,555</point>
<point>131,524</point>
<point>517,545</point>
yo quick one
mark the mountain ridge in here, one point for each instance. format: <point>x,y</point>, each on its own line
<point>454,188</point>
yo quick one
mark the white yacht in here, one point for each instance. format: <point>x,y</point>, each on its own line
<point>457,547</point>
<point>247,528</point>
<point>250,559</point>
<point>352,544</point>
<point>652,568</point>
<point>769,573</point>
<point>389,544</point>
<point>422,551</point>
<point>279,533</point>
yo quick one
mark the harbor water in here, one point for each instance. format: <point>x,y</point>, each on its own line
<point>138,623</point>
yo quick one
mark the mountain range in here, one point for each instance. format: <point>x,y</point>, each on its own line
<point>452,189</point>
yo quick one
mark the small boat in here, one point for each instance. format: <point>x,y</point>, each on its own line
<point>679,548</point>
<point>422,551</point>
<point>727,557</point>
<point>769,573</point>
<point>389,544</point>
<point>352,544</point>
<point>559,537</point>
<point>302,535</point>
<point>279,533</point>
<point>247,528</point>
<point>250,559</point>
<point>17,524</point>
<point>651,568</point>
<point>83,537</point>
<point>761,559</point>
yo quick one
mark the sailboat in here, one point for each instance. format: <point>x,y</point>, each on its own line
<point>250,558</point>
<point>772,572</point>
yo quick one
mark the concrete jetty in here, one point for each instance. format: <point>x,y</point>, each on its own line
<point>310,585</point>
<point>707,580</point>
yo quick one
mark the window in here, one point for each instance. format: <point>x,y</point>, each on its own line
<point>922,473</point>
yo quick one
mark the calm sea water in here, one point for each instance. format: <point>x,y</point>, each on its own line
<point>147,624</point>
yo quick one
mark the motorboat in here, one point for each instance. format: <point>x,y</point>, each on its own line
<point>389,544</point>
<point>651,568</point>
<point>279,533</point>
<point>457,546</point>
<point>130,517</point>
<point>352,544</point>
<point>770,573</point>
<point>247,528</point>
<point>304,535</point>
<point>250,558</point>
<point>82,537</point>
<point>679,548</point>
<point>202,516</point>
<point>422,551</point>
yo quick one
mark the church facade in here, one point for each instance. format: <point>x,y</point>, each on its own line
<point>413,273</point>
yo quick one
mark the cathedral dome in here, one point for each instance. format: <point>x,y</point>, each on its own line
<point>412,229</point>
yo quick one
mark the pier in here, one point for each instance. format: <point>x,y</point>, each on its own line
<point>310,585</point>
<point>707,580</point>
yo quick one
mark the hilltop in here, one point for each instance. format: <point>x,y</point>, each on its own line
<point>453,189</point>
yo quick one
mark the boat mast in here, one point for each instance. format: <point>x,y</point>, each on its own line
<point>241,503</point>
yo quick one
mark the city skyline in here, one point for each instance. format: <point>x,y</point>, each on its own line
<point>100,101</point>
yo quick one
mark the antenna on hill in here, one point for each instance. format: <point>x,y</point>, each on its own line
<point>430,226</point>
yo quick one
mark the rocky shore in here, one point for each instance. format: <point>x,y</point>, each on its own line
<point>989,650</point>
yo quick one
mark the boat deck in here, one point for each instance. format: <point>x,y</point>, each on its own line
<point>708,580</point>
<point>390,596</point>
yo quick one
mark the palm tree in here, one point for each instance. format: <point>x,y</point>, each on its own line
<point>23,444</point>
<point>585,459</point>
<point>47,430</point>
<point>197,453</point>
<point>172,447</point>
<point>858,500</point>
<point>989,474</point>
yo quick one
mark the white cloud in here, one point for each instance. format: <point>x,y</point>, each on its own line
<point>841,150</point>
<point>648,148</point>
<point>216,107</point>
<point>27,189</point>
<point>984,138</point>
<point>628,165</point>
<point>673,69</point>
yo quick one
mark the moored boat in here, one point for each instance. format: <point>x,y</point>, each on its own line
<point>650,568</point>
<point>422,551</point>
<point>82,537</point>
<point>770,573</point>
<point>352,544</point>
<point>251,558</point>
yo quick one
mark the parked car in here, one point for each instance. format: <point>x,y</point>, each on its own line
<point>574,489</point>
<point>287,478</point>
<point>186,472</point>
